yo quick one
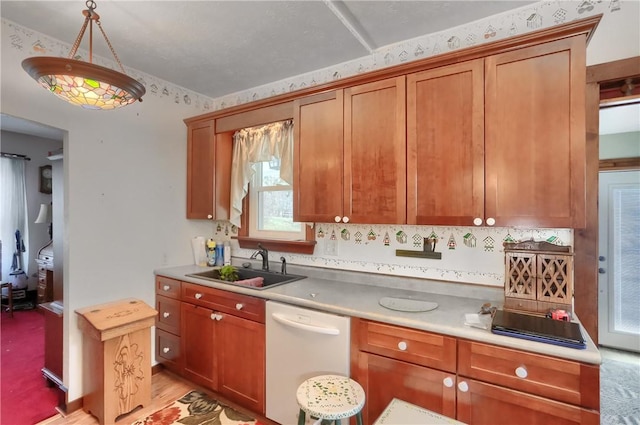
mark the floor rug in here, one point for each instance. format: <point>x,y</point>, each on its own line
<point>197,408</point>
<point>619,393</point>
<point>26,399</point>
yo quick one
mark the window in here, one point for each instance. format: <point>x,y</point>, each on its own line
<point>271,200</point>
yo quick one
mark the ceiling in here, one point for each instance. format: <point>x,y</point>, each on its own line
<point>220,47</point>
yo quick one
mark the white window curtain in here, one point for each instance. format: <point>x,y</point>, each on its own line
<point>13,216</point>
<point>258,144</point>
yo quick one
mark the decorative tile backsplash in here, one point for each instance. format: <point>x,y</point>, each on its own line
<point>528,18</point>
<point>469,254</point>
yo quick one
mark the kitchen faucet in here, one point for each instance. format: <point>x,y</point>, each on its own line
<point>264,253</point>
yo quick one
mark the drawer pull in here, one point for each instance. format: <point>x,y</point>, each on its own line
<point>337,219</point>
<point>166,314</point>
<point>521,372</point>
<point>216,316</point>
<point>239,306</point>
<point>165,350</point>
<point>477,221</point>
<point>402,346</point>
<point>166,287</point>
<point>463,386</point>
<point>491,221</point>
<point>209,216</point>
<point>198,295</point>
<point>448,382</point>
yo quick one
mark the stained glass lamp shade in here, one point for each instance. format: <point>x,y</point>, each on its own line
<point>84,83</point>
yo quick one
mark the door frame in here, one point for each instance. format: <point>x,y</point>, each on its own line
<point>600,78</point>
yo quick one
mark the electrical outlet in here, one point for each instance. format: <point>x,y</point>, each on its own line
<point>331,247</point>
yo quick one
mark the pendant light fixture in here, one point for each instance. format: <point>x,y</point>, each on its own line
<point>84,83</point>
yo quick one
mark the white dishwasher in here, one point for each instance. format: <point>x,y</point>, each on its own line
<point>301,343</point>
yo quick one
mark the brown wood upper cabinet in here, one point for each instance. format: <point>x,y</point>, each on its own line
<point>350,154</point>
<point>499,140</point>
<point>208,171</point>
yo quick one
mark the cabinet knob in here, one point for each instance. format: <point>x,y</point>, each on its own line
<point>521,372</point>
<point>166,314</point>
<point>198,296</point>
<point>463,386</point>
<point>345,219</point>
<point>209,216</point>
<point>338,219</point>
<point>239,306</point>
<point>601,258</point>
<point>402,345</point>
<point>166,287</point>
<point>448,382</point>
<point>491,221</point>
<point>601,270</point>
<point>218,317</point>
<point>477,221</point>
<point>165,350</point>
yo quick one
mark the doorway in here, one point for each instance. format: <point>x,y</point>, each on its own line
<point>619,259</point>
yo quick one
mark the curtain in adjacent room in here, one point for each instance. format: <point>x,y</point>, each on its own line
<point>254,145</point>
<point>13,215</point>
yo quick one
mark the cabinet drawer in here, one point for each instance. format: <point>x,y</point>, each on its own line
<point>168,350</point>
<point>167,287</point>
<point>409,345</point>
<point>558,379</point>
<point>228,302</point>
<point>168,317</point>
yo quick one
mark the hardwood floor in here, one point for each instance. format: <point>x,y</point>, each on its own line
<point>165,388</point>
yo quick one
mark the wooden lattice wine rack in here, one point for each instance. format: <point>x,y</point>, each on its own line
<point>538,277</point>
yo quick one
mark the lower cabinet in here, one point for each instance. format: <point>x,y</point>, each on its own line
<point>214,338</point>
<point>472,382</point>
<point>480,403</point>
<point>384,379</point>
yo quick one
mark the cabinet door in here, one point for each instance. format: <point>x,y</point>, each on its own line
<point>445,145</point>
<point>318,157</point>
<point>485,404</point>
<point>375,152</point>
<point>241,350</point>
<point>384,379</point>
<point>200,162</point>
<point>197,339</point>
<point>535,135</point>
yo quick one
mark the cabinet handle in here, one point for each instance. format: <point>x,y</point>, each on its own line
<point>463,386</point>
<point>521,372</point>
<point>218,317</point>
<point>345,219</point>
<point>402,345</point>
<point>165,350</point>
<point>239,306</point>
<point>198,296</point>
<point>209,216</point>
<point>338,219</point>
<point>477,221</point>
<point>491,221</point>
<point>448,382</point>
<point>166,314</point>
<point>166,287</point>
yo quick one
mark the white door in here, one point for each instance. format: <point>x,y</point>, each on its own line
<point>619,260</point>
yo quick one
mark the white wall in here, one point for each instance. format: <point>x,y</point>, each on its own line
<point>37,149</point>
<point>125,170</point>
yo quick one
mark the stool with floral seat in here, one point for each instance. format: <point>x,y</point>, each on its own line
<point>330,398</point>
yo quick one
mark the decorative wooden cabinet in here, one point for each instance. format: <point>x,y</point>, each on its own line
<point>496,382</point>
<point>415,366</point>
<point>223,343</point>
<point>538,277</point>
<point>535,135</point>
<point>351,145</point>
<point>445,145</point>
<point>208,171</point>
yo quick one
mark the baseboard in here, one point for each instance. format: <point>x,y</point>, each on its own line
<point>157,368</point>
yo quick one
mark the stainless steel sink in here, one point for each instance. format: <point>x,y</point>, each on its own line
<point>271,279</point>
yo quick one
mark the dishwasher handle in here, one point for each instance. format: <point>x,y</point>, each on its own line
<point>311,328</point>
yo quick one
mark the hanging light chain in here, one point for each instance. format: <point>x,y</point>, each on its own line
<point>90,15</point>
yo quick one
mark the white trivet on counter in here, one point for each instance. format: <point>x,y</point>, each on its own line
<point>407,304</point>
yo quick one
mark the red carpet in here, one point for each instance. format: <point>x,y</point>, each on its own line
<point>25,397</point>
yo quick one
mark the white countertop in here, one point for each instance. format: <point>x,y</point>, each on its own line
<point>358,295</point>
